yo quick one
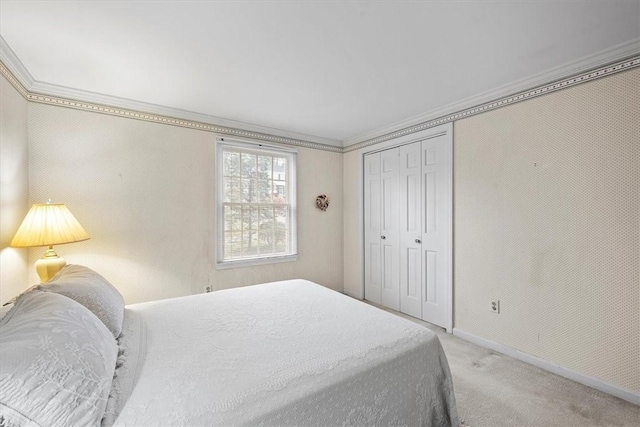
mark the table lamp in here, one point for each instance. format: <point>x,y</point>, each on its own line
<point>48,224</point>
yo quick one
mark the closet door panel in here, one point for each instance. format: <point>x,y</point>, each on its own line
<point>372,228</point>
<point>389,233</point>
<point>436,203</point>
<point>410,230</point>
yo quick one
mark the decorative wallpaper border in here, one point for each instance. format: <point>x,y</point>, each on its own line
<point>501,102</point>
<point>597,73</point>
<point>139,115</point>
<point>14,81</point>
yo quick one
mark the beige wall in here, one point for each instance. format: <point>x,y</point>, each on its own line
<point>145,194</point>
<point>353,226</point>
<point>14,182</point>
<point>546,220</point>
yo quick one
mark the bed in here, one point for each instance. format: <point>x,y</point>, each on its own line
<point>282,353</point>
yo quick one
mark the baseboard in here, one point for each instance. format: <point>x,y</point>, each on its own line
<point>622,393</point>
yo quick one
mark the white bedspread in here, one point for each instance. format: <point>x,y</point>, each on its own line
<point>284,353</point>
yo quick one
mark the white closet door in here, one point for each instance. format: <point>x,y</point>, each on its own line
<point>389,228</point>
<point>372,228</point>
<point>436,237</point>
<point>411,230</point>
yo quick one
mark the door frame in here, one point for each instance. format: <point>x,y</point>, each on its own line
<point>446,129</point>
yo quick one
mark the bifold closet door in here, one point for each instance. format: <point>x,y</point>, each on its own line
<point>411,230</point>
<point>436,237</point>
<point>408,221</point>
<point>372,210</point>
<point>382,254</point>
<point>390,228</point>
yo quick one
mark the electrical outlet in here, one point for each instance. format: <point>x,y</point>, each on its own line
<point>207,289</point>
<point>495,306</point>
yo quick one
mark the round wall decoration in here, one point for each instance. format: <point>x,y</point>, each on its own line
<point>322,202</point>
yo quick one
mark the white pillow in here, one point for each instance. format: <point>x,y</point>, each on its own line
<point>58,362</point>
<point>91,290</point>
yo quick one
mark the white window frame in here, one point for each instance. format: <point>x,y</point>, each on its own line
<point>254,147</point>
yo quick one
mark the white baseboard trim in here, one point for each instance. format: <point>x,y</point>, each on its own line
<point>622,393</point>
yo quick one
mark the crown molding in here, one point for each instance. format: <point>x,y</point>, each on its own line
<point>20,77</point>
<point>502,102</point>
<point>619,58</point>
<point>555,75</point>
<point>14,70</point>
<point>53,90</point>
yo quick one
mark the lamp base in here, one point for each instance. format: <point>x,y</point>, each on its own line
<point>49,265</point>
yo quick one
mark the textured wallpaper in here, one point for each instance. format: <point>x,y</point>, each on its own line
<point>546,219</point>
<point>353,227</point>
<point>14,182</point>
<point>145,194</point>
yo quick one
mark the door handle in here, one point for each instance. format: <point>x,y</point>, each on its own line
<point>383,237</point>
<point>418,241</point>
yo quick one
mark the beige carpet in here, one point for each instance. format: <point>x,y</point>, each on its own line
<point>496,390</point>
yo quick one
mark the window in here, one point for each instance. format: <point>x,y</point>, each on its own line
<point>256,204</point>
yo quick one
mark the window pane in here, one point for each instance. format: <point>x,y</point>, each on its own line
<point>280,238</point>
<point>231,188</point>
<point>266,216</point>
<point>250,243</point>
<point>248,165</point>
<point>281,214</point>
<point>264,167</point>
<point>249,218</point>
<point>228,218</point>
<point>250,193</point>
<point>232,245</point>
<point>236,218</point>
<point>264,191</point>
<point>226,190</point>
<point>279,168</point>
<point>231,163</point>
<point>281,230</point>
<point>265,235</point>
<point>280,191</point>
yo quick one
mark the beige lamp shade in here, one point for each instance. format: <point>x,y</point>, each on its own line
<point>47,225</point>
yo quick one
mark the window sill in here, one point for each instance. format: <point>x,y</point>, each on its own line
<point>255,261</point>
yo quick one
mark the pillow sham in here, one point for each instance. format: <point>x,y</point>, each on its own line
<point>90,289</point>
<point>58,362</point>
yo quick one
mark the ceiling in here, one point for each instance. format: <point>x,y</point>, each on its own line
<point>332,71</point>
